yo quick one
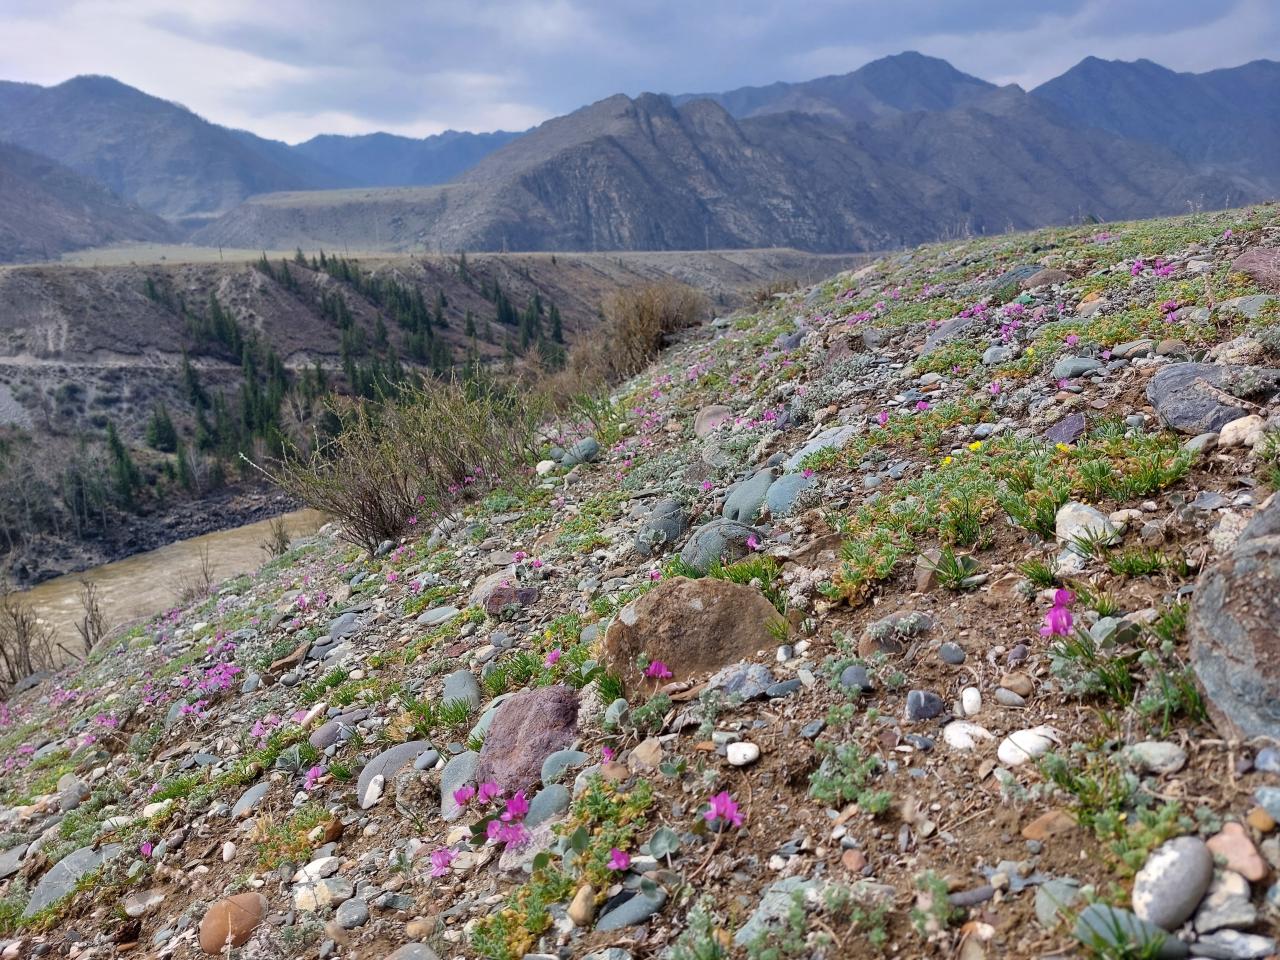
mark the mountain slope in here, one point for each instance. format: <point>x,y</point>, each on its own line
<point>897,84</point>
<point>1221,120</point>
<point>156,153</point>
<point>47,209</point>
<point>386,160</point>
<point>646,174</point>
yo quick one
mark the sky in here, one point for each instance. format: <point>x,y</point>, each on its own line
<point>291,69</point>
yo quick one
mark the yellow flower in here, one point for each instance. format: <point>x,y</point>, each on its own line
<point>1061,447</point>
<point>946,461</point>
<point>1031,351</point>
<point>976,445</point>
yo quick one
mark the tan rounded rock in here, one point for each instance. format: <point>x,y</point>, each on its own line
<point>232,920</point>
<point>582,909</point>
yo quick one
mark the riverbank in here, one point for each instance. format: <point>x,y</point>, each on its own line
<point>47,557</point>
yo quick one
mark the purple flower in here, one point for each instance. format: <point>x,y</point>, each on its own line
<point>440,861</point>
<point>807,472</point>
<point>517,807</point>
<point>488,791</point>
<point>994,388</point>
<point>1058,621</point>
<point>314,774</point>
<point>922,405</point>
<point>462,796</point>
<point>146,848</point>
<point>553,656</point>
<point>723,808</point>
<point>1072,340</point>
<point>753,542</point>
<point>619,860</point>
<point>657,670</point>
<point>882,417</point>
<point>607,753</point>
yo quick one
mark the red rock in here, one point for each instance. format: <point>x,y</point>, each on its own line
<point>1048,825</point>
<point>854,860</point>
<point>231,920</point>
<point>1262,264</point>
<point>526,728</point>
<point>1234,846</point>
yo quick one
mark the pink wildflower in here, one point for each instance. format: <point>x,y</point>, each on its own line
<point>882,418</point>
<point>753,542</point>
<point>657,670</point>
<point>922,405</point>
<point>655,575</point>
<point>440,861</point>
<point>146,848</point>
<point>619,860</point>
<point>1072,340</point>
<point>462,796</point>
<point>723,808</point>
<point>553,656</point>
<point>608,754</point>
<point>488,791</point>
<point>994,388</point>
<point>1058,621</point>
<point>517,807</point>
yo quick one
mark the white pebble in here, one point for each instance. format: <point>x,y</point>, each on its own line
<point>743,753</point>
<point>228,852</point>
<point>372,793</point>
<point>970,701</point>
<point>963,735</point>
<point>1030,744</point>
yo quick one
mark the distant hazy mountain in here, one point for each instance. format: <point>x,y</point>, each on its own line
<point>386,160</point>
<point>1221,120</point>
<point>156,153</point>
<point>645,174</point>
<point>898,84</point>
<point>47,209</point>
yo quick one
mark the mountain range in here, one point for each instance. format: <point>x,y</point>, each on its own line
<point>904,149</point>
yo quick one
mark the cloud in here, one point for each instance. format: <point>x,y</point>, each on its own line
<point>292,68</point>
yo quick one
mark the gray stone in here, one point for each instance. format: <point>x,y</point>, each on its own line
<point>11,860</point>
<point>1067,430</point>
<point>744,503</point>
<point>1234,945</point>
<point>1119,931</point>
<point>831,437</point>
<point>388,763</point>
<point>1250,306</point>
<point>351,914</point>
<point>944,332</point>
<point>721,539</point>
<point>1156,756</point>
<point>951,653</point>
<point>249,800</point>
<point>1267,760</point>
<point>855,677</point>
<point>462,685</point>
<point>560,761</point>
<point>1068,368</point>
<point>635,909</point>
<point>783,688</point>
<point>788,492</point>
<point>664,525</point>
<point>1053,897</point>
<point>745,680</point>
<point>584,451</point>
<point>61,879</point>
<point>426,760</point>
<point>1227,904</point>
<point>1234,610</point>
<point>1007,698</point>
<point>437,615</point>
<point>1193,398</point>
<point>996,353</point>
<point>457,773</point>
<point>343,626</point>
<point>775,903</point>
<point>413,951</point>
<point>547,804</point>
<point>1076,522</point>
<point>1170,885</point>
<point>924,705</point>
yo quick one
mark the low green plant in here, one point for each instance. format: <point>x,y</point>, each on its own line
<point>844,776</point>
<point>1038,572</point>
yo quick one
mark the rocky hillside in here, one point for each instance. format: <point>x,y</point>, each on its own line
<point>644,174</point>
<point>47,209</point>
<point>926,611</point>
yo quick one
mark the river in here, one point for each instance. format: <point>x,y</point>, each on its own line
<point>149,583</point>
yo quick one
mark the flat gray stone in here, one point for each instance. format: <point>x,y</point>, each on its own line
<point>11,860</point>
<point>249,800</point>
<point>787,492</point>
<point>744,503</point>
<point>831,437</point>
<point>462,685</point>
<point>388,763</point>
<point>774,904</point>
<point>721,539</point>
<point>1227,904</point>
<point>413,951</point>
<point>547,804</point>
<point>1234,945</point>
<point>457,773</point>
<point>1068,368</point>
<point>664,525</point>
<point>438,615</point>
<point>635,910</point>
<point>560,761</point>
<point>351,914</point>
<point>1076,522</point>
<point>1193,398</point>
<point>62,877</point>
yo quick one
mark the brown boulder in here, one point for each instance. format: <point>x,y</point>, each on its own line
<point>231,920</point>
<point>1262,264</point>
<point>525,730</point>
<point>1045,278</point>
<point>693,626</point>
<point>709,419</point>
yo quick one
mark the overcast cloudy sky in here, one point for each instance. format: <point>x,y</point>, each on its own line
<point>289,69</point>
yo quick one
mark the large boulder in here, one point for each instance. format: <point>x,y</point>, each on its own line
<point>1235,646</point>
<point>693,626</point>
<point>721,539</point>
<point>231,921</point>
<point>1195,398</point>
<point>663,526</point>
<point>1262,264</point>
<point>526,729</point>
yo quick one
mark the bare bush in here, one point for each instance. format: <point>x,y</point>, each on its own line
<point>93,622</point>
<point>26,644</point>
<point>410,456</point>
<point>276,542</point>
<point>767,291</point>
<point>638,322</point>
<point>199,584</point>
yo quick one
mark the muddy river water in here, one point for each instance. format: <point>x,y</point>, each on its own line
<point>149,583</point>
